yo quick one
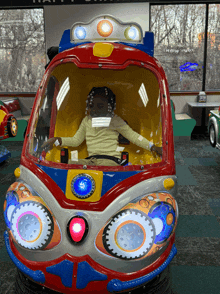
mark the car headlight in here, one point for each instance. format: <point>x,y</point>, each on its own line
<point>29,220</point>
<point>129,235</point>
<point>140,228</point>
<point>32,225</point>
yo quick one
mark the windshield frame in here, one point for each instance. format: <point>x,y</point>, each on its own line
<point>166,119</point>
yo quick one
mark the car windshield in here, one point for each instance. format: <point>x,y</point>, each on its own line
<point>100,116</point>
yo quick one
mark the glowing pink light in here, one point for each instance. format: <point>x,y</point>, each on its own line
<point>77,229</point>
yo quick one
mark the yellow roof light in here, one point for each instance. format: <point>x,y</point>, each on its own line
<point>103,49</point>
<point>168,183</point>
<point>17,172</point>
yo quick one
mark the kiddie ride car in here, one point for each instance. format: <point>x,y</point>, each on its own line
<point>8,128</point>
<point>213,128</point>
<point>90,228</point>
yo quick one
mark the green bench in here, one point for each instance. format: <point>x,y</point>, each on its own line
<point>183,124</point>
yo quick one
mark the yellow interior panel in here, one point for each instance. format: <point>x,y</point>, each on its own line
<point>146,120</point>
<point>2,115</point>
<point>96,175</point>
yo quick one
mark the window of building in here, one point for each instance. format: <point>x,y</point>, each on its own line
<point>22,50</point>
<point>179,43</point>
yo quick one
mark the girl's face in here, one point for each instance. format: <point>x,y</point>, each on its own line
<point>99,107</point>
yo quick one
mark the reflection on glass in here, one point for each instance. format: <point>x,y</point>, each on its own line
<point>142,92</point>
<point>62,93</point>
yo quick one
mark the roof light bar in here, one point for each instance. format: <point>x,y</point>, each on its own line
<point>106,28</point>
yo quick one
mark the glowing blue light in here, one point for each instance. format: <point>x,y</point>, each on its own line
<point>80,33</point>
<point>188,66</point>
<point>83,186</point>
<point>11,203</point>
<point>132,33</point>
<point>159,213</point>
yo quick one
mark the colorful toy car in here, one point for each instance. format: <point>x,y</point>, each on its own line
<point>8,128</point>
<point>213,128</point>
<point>8,124</point>
<point>75,227</point>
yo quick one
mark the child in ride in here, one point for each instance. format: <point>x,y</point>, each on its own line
<point>102,142</point>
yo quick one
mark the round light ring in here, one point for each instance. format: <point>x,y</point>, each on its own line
<point>32,225</point>
<point>83,186</point>
<point>29,227</point>
<point>131,33</point>
<point>104,28</point>
<point>129,235</point>
<point>80,33</point>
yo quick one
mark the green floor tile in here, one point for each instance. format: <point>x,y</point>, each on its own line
<point>3,189</point>
<point>198,226</point>
<point>15,154</point>
<point>4,255</point>
<point>178,154</point>
<point>195,279</point>
<point>216,211</point>
<point>210,149</point>
<point>191,161</point>
<point>2,199</point>
<point>207,161</point>
<point>184,176</point>
<point>214,202</point>
<point>10,169</point>
<point>215,206</point>
<point>200,161</point>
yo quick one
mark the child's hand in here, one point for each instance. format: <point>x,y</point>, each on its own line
<point>49,143</point>
<point>156,149</point>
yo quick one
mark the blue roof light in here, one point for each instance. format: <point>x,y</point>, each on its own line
<point>80,33</point>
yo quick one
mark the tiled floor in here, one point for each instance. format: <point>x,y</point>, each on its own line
<point>196,267</point>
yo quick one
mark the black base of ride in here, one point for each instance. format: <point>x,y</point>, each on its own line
<point>24,285</point>
<point>161,284</point>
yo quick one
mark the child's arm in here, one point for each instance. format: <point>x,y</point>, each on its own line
<point>78,138</point>
<point>137,139</point>
<point>74,141</point>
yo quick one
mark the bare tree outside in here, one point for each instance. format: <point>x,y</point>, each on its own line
<point>213,49</point>
<point>22,50</point>
<point>179,43</point>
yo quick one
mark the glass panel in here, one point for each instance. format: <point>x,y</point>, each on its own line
<point>136,116</point>
<point>179,43</point>
<point>22,50</point>
<point>213,49</point>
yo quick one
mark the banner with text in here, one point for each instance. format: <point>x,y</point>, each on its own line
<point>40,3</point>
